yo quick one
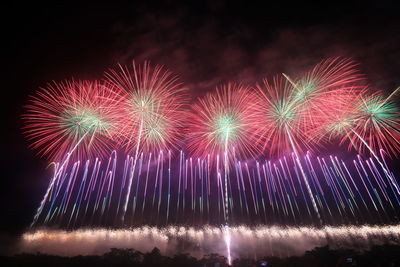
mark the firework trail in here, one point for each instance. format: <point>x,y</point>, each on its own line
<point>152,110</point>
<point>339,187</point>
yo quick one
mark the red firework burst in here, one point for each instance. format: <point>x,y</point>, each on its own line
<point>328,75</point>
<point>339,113</point>
<point>224,121</point>
<point>70,117</point>
<point>376,124</point>
<point>367,121</point>
<point>152,105</point>
<point>281,120</point>
<point>292,111</point>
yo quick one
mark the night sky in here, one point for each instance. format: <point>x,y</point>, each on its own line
<point>207,43</point>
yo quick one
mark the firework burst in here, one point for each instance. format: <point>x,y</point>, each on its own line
<point>377,123</point>
<point>67,116</point>
<point>364,120</point>
<point>279,116</point>
<point>292,111</point>
<point>339,115</point>
<point>328,75</point>
<point>152,107</point>
<point>224,121</point>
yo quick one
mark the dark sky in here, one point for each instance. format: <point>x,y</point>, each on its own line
<point>207,43</point>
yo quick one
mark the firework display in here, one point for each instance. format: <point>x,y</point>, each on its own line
<point>239,155</point>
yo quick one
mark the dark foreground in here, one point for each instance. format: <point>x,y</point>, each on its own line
<point>387,255</point>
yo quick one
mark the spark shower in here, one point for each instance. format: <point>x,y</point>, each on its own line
<point>131,150</point>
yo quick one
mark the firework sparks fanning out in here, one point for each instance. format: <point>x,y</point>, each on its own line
<point>339,115</point>
<point>224,120</point>
<point>378,123</point>
<point>293,109</point>
<point>329,75</point>
<point>69,115</point>
<point>152,107</point>
<point>366,121</point>
<point>279,115</point>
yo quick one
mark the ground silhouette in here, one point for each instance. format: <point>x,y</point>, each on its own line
<point>382,256</point>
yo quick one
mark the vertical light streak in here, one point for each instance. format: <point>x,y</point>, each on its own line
<point>125,207</point>
<point>378,160</point>
<point>303,175</point>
